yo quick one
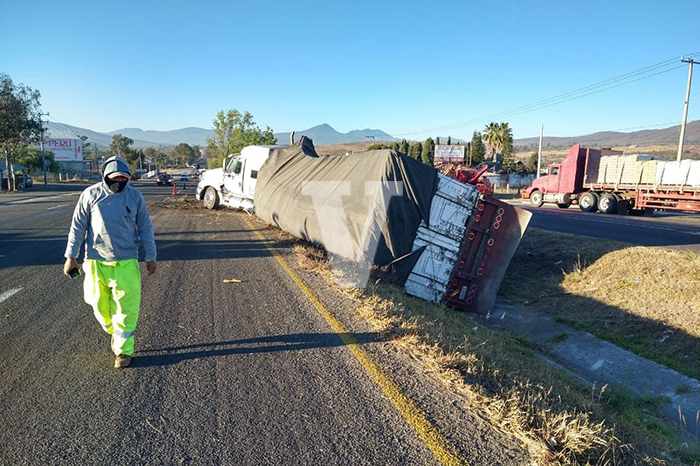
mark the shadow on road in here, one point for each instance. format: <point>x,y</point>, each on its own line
<point>28,247</point>
<point>271,344</point>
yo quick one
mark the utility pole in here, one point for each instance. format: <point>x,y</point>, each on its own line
<point>539,153</point>
<point>43,152</point>
<point>685,106</point>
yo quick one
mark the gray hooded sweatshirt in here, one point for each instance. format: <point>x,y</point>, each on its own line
<point>111,223</point>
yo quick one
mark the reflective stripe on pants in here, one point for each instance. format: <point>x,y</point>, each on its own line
<point>113,289</point>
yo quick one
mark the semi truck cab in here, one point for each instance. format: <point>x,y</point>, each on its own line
<point>233,184</point>
<point>554,187</point>
<point>564,183</point>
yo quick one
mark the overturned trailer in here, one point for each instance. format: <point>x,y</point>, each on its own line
<point>436,237</point>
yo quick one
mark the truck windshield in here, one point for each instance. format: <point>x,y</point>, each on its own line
<point>234,166</point>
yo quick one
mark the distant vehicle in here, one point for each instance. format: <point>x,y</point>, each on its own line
<point>23,181</point>
<point>184,177</point>
<point>612,183</point>
<point>233,185</point>
<point>164,179</point>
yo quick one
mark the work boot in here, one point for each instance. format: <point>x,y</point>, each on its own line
<point>122,361</point>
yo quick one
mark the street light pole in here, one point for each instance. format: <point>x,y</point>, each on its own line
<point>539,153</point>
<point>685,107</point>
<point>43,152</point>
<point>370,137</point>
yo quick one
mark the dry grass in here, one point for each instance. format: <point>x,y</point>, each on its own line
<point>342,149</point>
<point>644,299</point>
<point>561,421</point>
<point>502,378</point>
<point>185,202</point>
<point>495,373</point>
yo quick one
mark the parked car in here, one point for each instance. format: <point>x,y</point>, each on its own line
<point>184,177</point>
<point>23,181</point>
<point>164,179</point>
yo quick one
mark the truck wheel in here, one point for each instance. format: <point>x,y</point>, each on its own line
<point>211,198</point>
<point>588,202</point>
<point>536,198</point>
<point>607,204</point>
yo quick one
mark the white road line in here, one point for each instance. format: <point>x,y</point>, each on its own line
<point>57,206</point>
<point>9,294</point>
<point>44,198</point>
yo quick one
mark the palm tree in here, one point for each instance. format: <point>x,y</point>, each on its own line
<point>492,137</point>
<point>506,133</point>
<point>499,138</point>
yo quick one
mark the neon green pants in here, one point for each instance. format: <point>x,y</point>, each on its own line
<point>113,289</point>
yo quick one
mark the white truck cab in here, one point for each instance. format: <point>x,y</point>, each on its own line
<point>233,184</point>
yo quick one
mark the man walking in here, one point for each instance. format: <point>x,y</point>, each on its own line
<point>111,217</point>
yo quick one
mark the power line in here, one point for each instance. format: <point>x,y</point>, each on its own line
<point>573,95</point>
<point>607,84</point>
<point>655,125</point>
<point>669,123</point>
<point>65,126</point>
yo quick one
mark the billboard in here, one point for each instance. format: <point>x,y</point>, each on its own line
<point>64,150</point>
<point>445,153</point>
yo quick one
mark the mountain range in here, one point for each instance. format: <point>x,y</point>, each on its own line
<point>322,135</point>
<point>325,134</point>
<point>658,137</point>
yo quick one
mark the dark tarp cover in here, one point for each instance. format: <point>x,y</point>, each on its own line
<point>349,194</point>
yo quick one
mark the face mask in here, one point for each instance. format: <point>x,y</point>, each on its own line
<point>116,186</point>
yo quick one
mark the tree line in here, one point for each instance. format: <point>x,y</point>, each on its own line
<point>20,121</point>
<point>496,138</point>
<point>181,155</point>
<point>233,130</point>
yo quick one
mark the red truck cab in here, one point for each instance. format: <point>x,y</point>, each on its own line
<point>562,181</point>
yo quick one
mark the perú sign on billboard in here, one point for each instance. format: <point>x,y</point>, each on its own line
<point>445,153</point>
<point>64,150</point>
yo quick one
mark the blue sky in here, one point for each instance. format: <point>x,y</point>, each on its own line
<point>397,66</point>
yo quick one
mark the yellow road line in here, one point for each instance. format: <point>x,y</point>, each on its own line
<point>443,451</point>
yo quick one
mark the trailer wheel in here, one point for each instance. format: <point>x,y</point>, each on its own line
<point>211,198</point>
<point>607,203</point>
<point>588,202</point>
<point>536,198</point>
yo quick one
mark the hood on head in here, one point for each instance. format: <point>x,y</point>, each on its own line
<point>115,165</point>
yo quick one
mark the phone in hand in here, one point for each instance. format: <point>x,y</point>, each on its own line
<point>74,273</point>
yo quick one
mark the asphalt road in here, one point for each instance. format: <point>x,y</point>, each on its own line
<point>661,229</point>
<point>245,373</point>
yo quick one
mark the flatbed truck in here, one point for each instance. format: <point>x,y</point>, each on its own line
<point>577,180</point>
